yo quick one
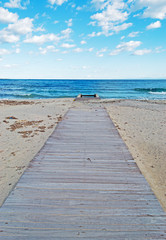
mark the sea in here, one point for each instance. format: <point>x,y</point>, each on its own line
<point>114,89</point>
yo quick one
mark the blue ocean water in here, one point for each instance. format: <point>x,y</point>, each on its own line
<point>123,89</point>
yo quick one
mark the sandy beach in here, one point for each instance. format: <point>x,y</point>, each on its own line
<point>26,125</point>
<point>24,128</point>
<point>142,125</point>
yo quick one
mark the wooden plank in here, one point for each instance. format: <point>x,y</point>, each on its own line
<point>83,184</point>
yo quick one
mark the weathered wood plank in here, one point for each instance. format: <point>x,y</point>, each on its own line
<point>65,233</point>
<point>83,184</point>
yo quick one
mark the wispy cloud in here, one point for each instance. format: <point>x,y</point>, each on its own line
<point>122,27</point>
<point>133,34</point>
<point>50,48</point>
<point>101,52</point>
<point>57,2</point>
<point>69,22</point>
<point>90,49</point>
<point>125,47</point>
<point>142,52</point>
<point>42,38</point>
<point>83,42</point>
<point>4,51</point>
<point>156,24</point>
<point>152,8</point>
<point>67,45</point>
<point>78,50</point>
<point>66,33</point>
<point>17,4</point>
<point>10,65</point>
<point>50,37</point>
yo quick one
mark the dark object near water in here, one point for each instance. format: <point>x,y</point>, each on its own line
<point>87,96</point>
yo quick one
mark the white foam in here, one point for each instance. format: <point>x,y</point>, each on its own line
<point>158,93</point>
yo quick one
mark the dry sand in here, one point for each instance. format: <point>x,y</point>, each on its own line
<point>142,125</point>
<point>25,126</point>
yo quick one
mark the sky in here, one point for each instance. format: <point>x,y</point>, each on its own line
<point>85,39</point>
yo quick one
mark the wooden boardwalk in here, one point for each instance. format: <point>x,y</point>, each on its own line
<point>83,184</point>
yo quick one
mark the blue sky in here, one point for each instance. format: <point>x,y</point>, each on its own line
<point>90,39</point>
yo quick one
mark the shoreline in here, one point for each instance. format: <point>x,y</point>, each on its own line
<point>26,124</point>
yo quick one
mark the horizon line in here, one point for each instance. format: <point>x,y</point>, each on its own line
<point>83,79</point>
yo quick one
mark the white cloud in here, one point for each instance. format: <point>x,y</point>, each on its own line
<point>66,33</point>
<point>142,52</point>
<point>56,21</point>
<point>110,17</point>
<point>122,27</point>
<point>100,55</point>
<point>84,67</point>
<point>133,34</point>
<point>17,51</point>
<point>36,16</point>
<point>67,45</point>
<point>4,51</point>
<point>156,24</point>
<point>126,46</point>
<point>65,52</point>
<point>94,34</point>
<point>79,8</point>
<point>46,16</point>
<point>7,17</point>
<point>16,4</point>
<point>22,26</point>
<point>78,50</point>
<point>90,50</point>
<point>92,24</point>
<point>7,37</point>
<point>10,65</point>
<point>57,2</point>
<point>101,52</point>
<point>150,8</point>
<point>153,8</point>
<point>73,5</point>
<point>159,50</point>
<point>50,37</point>
<point>69,22</point>
<point>15,28</point>
<point>42,39</point>
<point>100,4</point>
<point>50,48</point>
<point>112,14</point>
<point>40,29</point>
<point>83,42</point>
